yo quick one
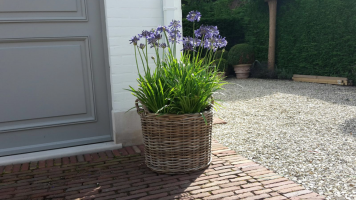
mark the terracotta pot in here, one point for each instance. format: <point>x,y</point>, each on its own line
<point>242,71</point>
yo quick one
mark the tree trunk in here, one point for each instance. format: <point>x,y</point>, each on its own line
<point>272,33</point>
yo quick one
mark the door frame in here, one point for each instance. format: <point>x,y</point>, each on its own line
<point>107,65</point>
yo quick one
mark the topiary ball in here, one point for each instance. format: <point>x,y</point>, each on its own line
<point>241,54</point>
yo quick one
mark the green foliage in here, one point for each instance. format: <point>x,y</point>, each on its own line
<point>210,8</point>
<point>284,73</point>
<point>241,54</point>
<point>176,86</point>
<point>220,54</point>
<point>231,28</point>
<point>221,65</point>
<point>314,37</point>
<point>255,20</point>
<point>260,70</point>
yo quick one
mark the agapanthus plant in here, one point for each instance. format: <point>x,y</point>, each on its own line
<point>194,16</point>
<point>177,86</point>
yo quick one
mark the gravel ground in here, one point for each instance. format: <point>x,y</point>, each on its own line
<point>303,131</point>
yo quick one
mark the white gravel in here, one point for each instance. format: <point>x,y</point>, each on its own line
<point>303,131</point>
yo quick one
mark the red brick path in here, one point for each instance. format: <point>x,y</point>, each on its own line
<point>121,174</point>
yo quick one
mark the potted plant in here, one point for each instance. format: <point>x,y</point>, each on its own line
<point>241,56</point>
<point>174,98</point>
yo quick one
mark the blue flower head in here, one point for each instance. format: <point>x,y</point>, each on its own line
<point>145,34</point>
<point>174,25</point>
<point>152,41</point>
<point>194,16</point>
<point>160,29</point>
<point>163,45</point>
<point>188,47</point>
<point>221,42</point>
<point>142,46</point>
<point>206,31</point>
<point>134,40</point>
<point>193,41</point>
<point>157,36</point>
<point>174,36</point>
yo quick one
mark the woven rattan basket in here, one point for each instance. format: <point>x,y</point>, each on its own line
<point>176,144</point>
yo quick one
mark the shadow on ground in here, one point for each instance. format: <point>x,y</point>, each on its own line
<point>349,127</point>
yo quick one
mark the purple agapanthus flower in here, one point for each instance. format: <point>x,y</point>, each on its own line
<point>160,29</point>
<point>194,41</point>
<point>134,40</point>
<point>142,46</point>
<point>151,40</point>
<point>174,25</point>
<point>215,42</point>
<point>194,16</point>
<point>202,31</point>
<point>145,34</point>
<point>207,43</point>
<point>221,42</point>
<point>163,45</point>
<point>213,30</point>
<point>206,31</point>
<point>188,47</point>
<point>175,36</point>
<point>157,36</point>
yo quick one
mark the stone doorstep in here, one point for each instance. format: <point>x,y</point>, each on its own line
<point>121,173</point>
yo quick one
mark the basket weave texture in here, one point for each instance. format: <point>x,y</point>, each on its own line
<point>176,144</point>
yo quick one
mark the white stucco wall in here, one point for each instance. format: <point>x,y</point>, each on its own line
<point>126,18</point>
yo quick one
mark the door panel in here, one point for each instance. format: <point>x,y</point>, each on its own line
<point>42,10</point>
<point>53,80</point>
<point>64,67</point>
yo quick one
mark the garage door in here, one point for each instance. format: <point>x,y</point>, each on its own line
<point>54,90</point>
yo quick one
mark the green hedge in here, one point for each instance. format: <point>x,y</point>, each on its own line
<point>314,37</point>
<point>209,8</point>
<point>231,28</point>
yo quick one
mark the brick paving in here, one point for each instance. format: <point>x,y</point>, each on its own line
<point>121,174</point>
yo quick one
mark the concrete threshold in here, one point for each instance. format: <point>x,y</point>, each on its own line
<point>58,153</point>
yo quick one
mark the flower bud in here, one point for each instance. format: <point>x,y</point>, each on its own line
<point>142,46</point>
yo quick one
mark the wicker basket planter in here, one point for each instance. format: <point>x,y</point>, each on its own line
<point>176,144</point>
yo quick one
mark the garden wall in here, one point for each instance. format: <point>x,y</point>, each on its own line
<point>124,20</point>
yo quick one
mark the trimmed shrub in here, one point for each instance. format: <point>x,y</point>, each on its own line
<point>241,54</point>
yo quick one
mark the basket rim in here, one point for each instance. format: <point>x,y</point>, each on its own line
<point>186,114</point>
<point>144,110</point>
